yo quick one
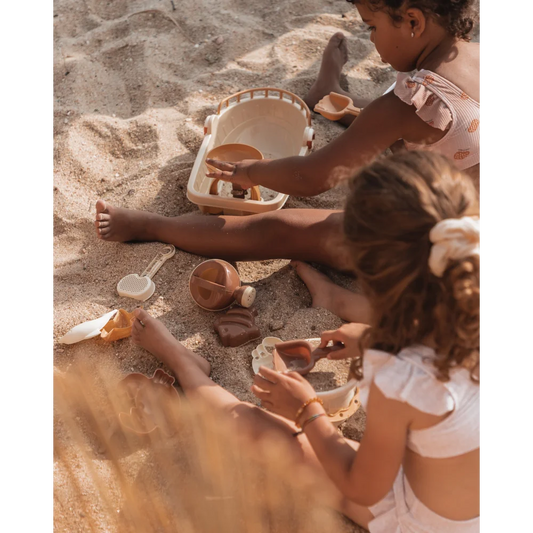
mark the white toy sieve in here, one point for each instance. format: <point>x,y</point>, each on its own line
<point>142,287</point>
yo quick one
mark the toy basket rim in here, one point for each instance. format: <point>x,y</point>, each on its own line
<point>227,102</point>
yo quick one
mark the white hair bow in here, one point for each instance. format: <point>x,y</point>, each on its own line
<point>453,238</point>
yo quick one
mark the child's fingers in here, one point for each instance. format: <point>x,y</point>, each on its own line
<point>222,165</point>
<point>338,354</point>
<point>294,375</point>
<point>272,375</point>
<point>221,175</point>
<point>332,335</point>
<point>260,393</point>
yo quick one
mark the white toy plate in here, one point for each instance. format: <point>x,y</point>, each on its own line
<point>87,330</point>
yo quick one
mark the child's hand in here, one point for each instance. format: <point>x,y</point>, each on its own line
<point>236,173</point>
<point>349,335</point>
<point>282,393</point>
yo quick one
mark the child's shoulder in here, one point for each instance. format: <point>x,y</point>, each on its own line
<point>461,68</point>
<point>409,377</point>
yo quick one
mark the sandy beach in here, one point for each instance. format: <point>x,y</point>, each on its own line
<point>133,87</point>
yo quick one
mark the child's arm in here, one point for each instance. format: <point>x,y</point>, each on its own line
<point>379,125</point>
<point>364,476</point>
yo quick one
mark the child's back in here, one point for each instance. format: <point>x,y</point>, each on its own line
<point>413,228</point>
<point>440,470</point>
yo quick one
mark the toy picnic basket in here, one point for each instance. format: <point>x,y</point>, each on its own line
<point>274,121</point>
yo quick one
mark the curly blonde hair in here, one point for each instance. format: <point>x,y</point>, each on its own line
<point>393,205</point>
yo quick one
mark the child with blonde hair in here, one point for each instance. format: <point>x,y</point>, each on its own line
<point>412,228</point>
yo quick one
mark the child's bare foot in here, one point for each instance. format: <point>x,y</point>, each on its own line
<point>319,285</point>
<point>118,224</point>
<point>153,336</point>
<point>346,304</point>
<point>333,59</point>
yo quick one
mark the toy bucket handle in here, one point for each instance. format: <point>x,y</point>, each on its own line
<point>294,99</point>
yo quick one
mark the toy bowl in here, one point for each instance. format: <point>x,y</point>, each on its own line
<point>233,152</point>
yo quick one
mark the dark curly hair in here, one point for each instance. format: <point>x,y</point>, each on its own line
<point>457,17</point>
<point>393,205</point>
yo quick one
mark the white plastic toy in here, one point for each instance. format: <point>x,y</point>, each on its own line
<point>142,287</point>
<point>87,330</point>
<point>274,121</point>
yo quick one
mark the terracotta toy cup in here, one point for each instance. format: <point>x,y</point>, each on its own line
<point>299,356</point>
<point>215,284</point>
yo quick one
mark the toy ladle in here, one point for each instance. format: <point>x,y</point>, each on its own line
<point>299,356</point>
<point>334,106</point>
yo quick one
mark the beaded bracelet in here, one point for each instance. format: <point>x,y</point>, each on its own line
<point>301,410</point>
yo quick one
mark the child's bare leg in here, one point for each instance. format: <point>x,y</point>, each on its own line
<point>333,59</point>
<point>306,234</point>
<point>250,419</point>
<point>346,304</point>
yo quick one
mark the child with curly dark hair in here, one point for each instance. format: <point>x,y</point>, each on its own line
<point>412,228</point>
<point>435,109</point>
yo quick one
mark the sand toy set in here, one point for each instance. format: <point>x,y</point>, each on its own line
<point>339,403</point>
<point>273,122</point>
<point>263,123</point>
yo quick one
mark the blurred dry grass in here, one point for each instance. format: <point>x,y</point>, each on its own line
<point>202,479</point>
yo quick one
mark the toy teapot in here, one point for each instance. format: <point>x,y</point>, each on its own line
<point>215,284</point>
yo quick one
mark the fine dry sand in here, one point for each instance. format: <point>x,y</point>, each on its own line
<point>132,91</point>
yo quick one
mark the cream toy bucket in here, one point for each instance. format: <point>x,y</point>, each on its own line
<point>274,121</point>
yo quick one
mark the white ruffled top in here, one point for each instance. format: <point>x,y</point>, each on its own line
<point>410,377</point>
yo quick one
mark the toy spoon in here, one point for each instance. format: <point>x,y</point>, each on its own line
<point>334,106</point>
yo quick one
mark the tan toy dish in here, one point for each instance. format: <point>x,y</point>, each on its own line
<point>273,121</point>
<point>334,106</point>
<point>233,152</point>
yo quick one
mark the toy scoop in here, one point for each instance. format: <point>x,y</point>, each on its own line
<point>334,106</point>
<point>142,287</point>
<point>299,356</point>
<point>233,153</point>
<point>214,285</point>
